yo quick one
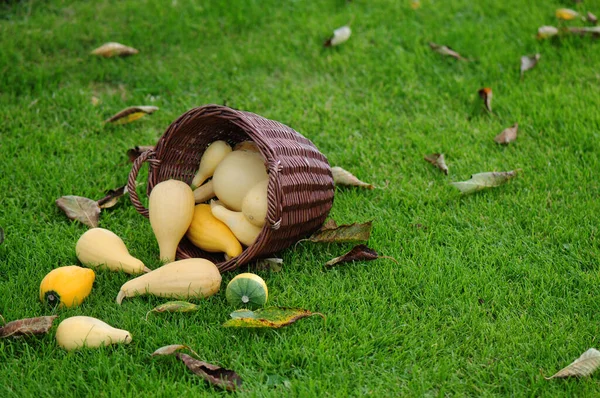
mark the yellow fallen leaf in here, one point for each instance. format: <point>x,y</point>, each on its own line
<point>114,49</point>
<point>566,14</point>
<point>130,114</point>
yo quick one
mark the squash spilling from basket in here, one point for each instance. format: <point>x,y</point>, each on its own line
<point>235,181</point>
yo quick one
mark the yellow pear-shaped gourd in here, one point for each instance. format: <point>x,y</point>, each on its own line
<point>210,234</point>
<point>204,192</point>
<point>211,157</point>
<point>183,279</point>
<point>244,230</point>
<point>237,173</point>
<point>67,286</point>
<point>254,205</point>
<point>99,247</point>
<point>85,331</point>
<point>170,208</point>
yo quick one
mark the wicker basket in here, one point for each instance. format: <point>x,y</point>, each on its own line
<point>300,191</point>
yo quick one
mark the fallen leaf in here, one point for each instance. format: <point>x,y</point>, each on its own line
<point>486,95</point>
<point>133,153</point>
<point>594,30</point>
<point>28,326</point>
<point>415,4</point>
<point>270,264</point>
<point>545,32</point>
<point>272,317</point>
<point>528,62</point>
<point>484,180</point>
<point>343,177</point>
<point>112,197</point>
<point>81,209</point>
<point>131,114</point>
<point>358,253</point>
<point>95,101</point>
<point>437,159</point>
<point>507,135</point>
<point>583,366</point>
<point>329,224</point>
<point>343,233</point>
<point>340,35</point>
<point>566,14</point>
<point>1,236</point>
<point>169,349</point>
<point>215,375</point>
<point>591,18</point>
<point>445,50</point>
<point>114,49</point>
<point>174,306</point>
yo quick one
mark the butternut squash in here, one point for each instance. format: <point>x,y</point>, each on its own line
<point>211,157</point>
<point>210,234</point>
<point>244,230</point>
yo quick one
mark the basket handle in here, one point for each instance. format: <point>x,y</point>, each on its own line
<point>137,164</point>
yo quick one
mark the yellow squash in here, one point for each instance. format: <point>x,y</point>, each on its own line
<point>255,204</point>
<point>210,159</point>
<point>244,230</point>
<point>67,286</point>
<point>204,192</point>
<point>85,331</point>
<point>210,234</point>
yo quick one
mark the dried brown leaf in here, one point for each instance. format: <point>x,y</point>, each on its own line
<point>591,18</point>
<point>169,349</point>
<point>133,153</point>
<point>583,366</point>
<point>594,31</point>
<point>343,233</point>
<point>269,264</point>
<point>271,317</point>
<point>112,197</point>
<point>447,51</point>
<point>343,177</point>
<point>81,209</point>
<point>437,159</point>
<point>358,253</point>
<point>329,224</point>
<point>215,375</point>
<point>131,114</point>
<point>486,95</point>
<point>507,135</point>
<point>528,62</point>
<point>484,180</point>
<point>113,49</point>
<point>28,326</point>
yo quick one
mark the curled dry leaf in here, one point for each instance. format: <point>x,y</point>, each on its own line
<point>169,349</point>
<point>342,233</point>
<point>545,32</point>
<point>591,18</point>
<point>134,153</point>
<point>215,375</point>
<point>484,180</point>
<point>272,317</point>
<point>358,253</point>
<point>28,326</point>
<point>343,177</point>
<point>566,14</point>
<point>445,50</point>
<point>340,35</point>
<point>583,366</point>
<point>112,197</point>
<point>81,209</point>
<point>131,114</point>
<point>271,264</point>
<point>113,49</point>
<point>594,31</point>
<point>437,159</point>
<point>486,95</point>
<point>507,135</point>
<point>528,62</point>
<point>174,306</point>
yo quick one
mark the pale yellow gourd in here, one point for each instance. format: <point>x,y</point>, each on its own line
<point>170,208</point>
<point>99,247</point>
<point>244,230</point>
<point>204,192</point>
<point>85,331</point>
<point>211,157</point>
<point>254,205</point>
<point>237,173</point>
<point>210,234</point>
<point>183,279</point>
<point>246,146</point>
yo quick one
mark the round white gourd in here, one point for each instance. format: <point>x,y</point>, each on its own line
<point>254,205</point>
<point>237,173</point>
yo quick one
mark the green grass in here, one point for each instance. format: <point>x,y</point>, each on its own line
<point>492,291</point>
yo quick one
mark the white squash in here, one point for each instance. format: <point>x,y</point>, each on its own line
<point>254,205</point>
<point>85,331</point>
<point>204,192</point>
<point>171,208</point>
<point>211,157</point>
<point>244,230</point>
<point>237,173</point>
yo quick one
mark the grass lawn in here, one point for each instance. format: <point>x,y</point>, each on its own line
<point>493,290</point>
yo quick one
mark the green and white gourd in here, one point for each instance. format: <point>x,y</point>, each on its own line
<point>247,290</point>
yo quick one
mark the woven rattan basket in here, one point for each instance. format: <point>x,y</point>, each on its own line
<point>300,191</point>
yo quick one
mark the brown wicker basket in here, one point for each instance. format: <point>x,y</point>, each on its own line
<point>300,191</point>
